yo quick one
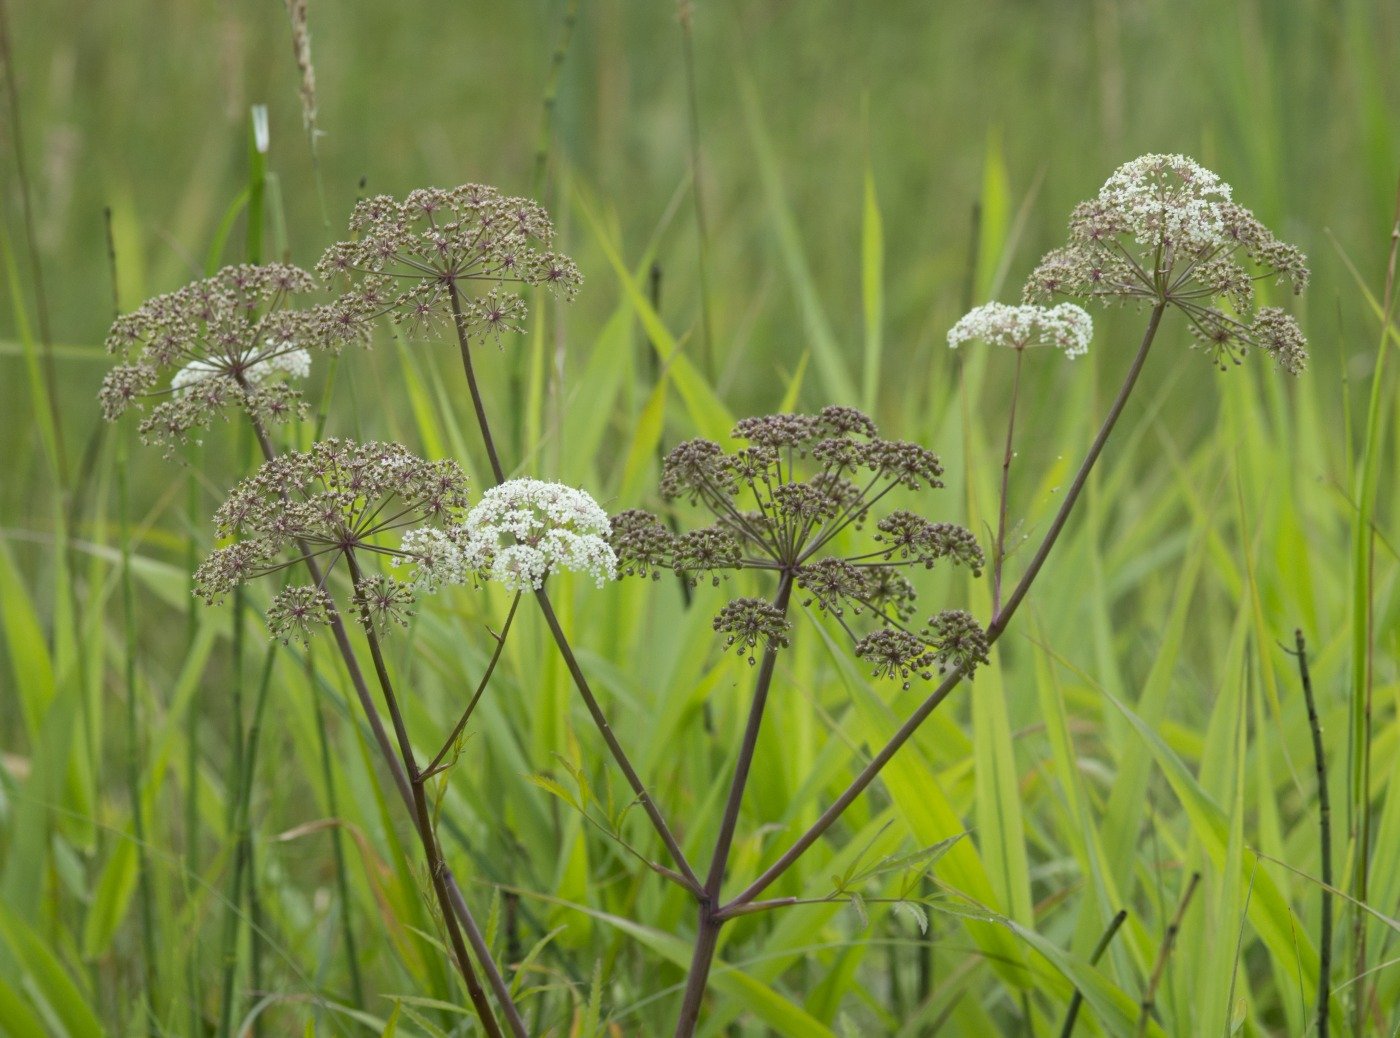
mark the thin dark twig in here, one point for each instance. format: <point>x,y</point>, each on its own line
<point>1104,941</point>
<point>1164,953</point>
<point>1324,815</point>
<point>448,743</point>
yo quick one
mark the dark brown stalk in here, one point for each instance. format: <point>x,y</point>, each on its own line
<point>1324,817</point>
<point>707,934</point>
<point>1099,949</point>
<point>396,771</point>
<point>424,826</point>
<point>1164,953</point>
<point>686,875</point>
<point>998,625</point>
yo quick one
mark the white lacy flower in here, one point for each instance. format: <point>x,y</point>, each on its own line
<point>1066,327</point>
<point>1168,197</point>
<point>437,557</point>
<point>524,529</point>
<point>274,358</point>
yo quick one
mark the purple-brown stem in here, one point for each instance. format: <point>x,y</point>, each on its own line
<point>686,874</point>
<point>707,933</point>
<point>998,625</point>
<point>424,826</point>
<point>396,771</point>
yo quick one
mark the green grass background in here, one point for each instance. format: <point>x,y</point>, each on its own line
<point>866,172</point>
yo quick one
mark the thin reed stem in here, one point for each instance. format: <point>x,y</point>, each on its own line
<point>1164,954</point>
<point>997,627</point>
<point>1324,819</point>
<point>133,744</point>
<point>342,882</point>
<point>1077,999</point>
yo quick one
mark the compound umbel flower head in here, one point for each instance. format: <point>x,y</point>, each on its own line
<point>415,258</point>
<point>339,499</point>
<point>803,485</point>
<point>1165,230</point>
<point>225,343</point>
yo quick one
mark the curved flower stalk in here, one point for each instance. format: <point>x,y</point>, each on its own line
<point>798,501</point>
<point>412,258</point>
<point>1065,327</point>
<point>1165,230</point>
<point>226,343</point>
<point>339,502</point>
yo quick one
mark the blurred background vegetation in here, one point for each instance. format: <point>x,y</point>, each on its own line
<point>823,188</point>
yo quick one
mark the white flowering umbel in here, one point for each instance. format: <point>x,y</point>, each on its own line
<point>1165,231</point>
<point>517,534</point>
<point>1065,327</point>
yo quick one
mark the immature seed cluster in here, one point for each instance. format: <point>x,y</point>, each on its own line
<point>415,259</point>
<point>798,500</point>
<point>339,500</point>
<point>225,343</point>
<point>1165,230</point>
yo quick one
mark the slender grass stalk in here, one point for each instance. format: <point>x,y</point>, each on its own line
<point>41,311</point>
<point>1324,821</point>
<point>342,880</point>
<point>1077,999</point>
<point>685,12</point>
<point>1363,633</point>
<point>145,901</point>
<point>1164,953</point>
<point>551,96</point>
<point>426,836</point>
<point>995,630</point>
<point>999,549</point>
<point>707,933</point>
<point>234,898</point>
<point>685,876</point>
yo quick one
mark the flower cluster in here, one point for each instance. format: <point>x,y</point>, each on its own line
<point>517,534</point>
<point>802,486</point>
<point>1165,230</point>
<point>336,501</point>
<point>232,343</point>
<point>1065,327</point>
<point>413,258</point>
